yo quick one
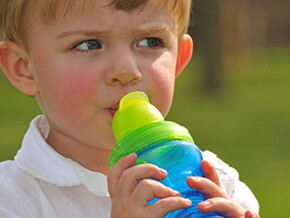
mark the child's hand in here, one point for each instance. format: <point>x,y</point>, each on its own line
<point>217,200</point>
<point>130,190</point>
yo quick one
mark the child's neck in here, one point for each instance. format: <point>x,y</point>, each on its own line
<point>91,158</point>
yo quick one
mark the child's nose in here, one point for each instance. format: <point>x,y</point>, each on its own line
<point>124,71</point>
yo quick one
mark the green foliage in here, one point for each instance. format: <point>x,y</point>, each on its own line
<point>247,124</point>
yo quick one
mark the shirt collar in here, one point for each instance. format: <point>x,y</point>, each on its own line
<point>40,160</point>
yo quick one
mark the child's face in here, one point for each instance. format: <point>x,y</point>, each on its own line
<point>84,63</point>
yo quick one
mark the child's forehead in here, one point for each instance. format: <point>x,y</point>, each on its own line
<point>54,8</point>
<point>50,9</point>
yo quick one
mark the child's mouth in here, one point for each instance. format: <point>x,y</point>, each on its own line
<point>113,109</point>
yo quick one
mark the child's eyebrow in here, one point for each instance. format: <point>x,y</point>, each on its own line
<point>154,29</point>
<point>80,32</point>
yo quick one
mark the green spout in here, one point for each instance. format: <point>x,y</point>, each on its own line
<point>134,111</point>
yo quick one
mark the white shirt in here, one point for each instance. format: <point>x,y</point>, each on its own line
<point>42,183</point>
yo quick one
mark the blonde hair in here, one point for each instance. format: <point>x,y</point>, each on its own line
<point>13,12</point>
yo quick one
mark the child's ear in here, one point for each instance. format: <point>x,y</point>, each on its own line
<point>15,65</point>
<point>184,53</point>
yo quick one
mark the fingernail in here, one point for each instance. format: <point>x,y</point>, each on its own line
<point>206,204</point>
<point>188,202</point>
<point>176,193</point>
<point>162,171</point>
<point>196,178</point>
<point>131,155</point>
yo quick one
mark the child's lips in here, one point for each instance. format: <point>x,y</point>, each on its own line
<point>114,109</point>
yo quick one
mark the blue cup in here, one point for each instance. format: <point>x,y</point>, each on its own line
<point>140,128</point>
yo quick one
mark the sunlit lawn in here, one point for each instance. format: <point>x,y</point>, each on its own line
<point>16,111</point>
<point>247,125</point>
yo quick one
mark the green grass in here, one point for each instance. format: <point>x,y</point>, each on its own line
<point>16,111</point>
<point>247,124</point>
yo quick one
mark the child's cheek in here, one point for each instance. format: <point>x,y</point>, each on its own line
<point>162,83</point>
<point>80,91</point>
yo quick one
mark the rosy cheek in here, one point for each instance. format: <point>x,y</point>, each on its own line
<point>74,93</point>
<point>163,86</point>
<point>81,87</point>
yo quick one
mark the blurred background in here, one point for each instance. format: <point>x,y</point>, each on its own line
<point>233,97</point>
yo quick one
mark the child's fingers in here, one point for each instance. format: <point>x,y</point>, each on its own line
<point>210,172</point>
<point>124,177</point>
<point>118,169</point>
<point>133,176</point>
<point>225,207</point>
<point>207,187</point>
<point>162,207</point>
<point>147,189</point>
<point>131,188</point>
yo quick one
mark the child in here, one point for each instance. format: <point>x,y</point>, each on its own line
<point>78,58</point>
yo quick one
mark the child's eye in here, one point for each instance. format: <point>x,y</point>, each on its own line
<point>91,44</point>
<point>150,42</point>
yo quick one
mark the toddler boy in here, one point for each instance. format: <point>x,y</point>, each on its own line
<point>78,59</point>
